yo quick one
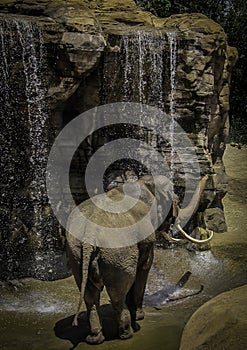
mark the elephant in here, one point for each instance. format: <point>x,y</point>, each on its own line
<point>122,269</point>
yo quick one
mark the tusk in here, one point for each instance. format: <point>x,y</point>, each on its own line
<point>194,240</point>
<point>170,238</point>
<point>175,239</point>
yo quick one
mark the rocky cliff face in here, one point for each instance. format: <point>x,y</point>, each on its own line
<point>83,45</point>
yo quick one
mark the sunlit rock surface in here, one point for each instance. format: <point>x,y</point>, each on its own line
<point>219,324</point>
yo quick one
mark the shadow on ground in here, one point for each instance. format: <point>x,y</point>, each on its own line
<point>64,330</point>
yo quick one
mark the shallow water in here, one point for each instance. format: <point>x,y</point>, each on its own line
<point>37,314</point>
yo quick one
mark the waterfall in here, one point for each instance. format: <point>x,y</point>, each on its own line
<point>34,63</point>
<point>145,71</point>
<point>143,67</point>
<point>27,222</point>
<point>172,39</point>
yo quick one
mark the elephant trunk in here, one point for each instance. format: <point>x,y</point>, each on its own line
<point>186,213</point>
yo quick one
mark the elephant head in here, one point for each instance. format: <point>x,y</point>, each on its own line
<point>155,201</point>
<point>160,187</point>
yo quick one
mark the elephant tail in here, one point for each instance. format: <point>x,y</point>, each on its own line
<point>86,252</point>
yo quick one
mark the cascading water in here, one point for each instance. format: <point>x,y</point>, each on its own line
<point>143,67</point>
<point>172,39</point>
<point>34,63</point>
<point>27,224</point>
<point>145,71</point>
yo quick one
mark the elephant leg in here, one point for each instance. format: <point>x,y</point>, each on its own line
<point>136,294</point>
<point>74,256</point>
<point>92,301</point>
<point>118,300</point>
<point>132,306</point>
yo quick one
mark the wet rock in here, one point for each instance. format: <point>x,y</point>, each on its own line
<point>215,219</point>
<point>234,144</point>
<point>219,324</point>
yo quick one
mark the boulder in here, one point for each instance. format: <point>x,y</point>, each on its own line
<point>220,323</point>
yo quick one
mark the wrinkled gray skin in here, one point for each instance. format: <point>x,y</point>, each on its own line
<point>123,271</point>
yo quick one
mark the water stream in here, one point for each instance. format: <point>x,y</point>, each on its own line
<point>145,72</point>
<point>34,65</point>
<point>143,65</point>
<point>172,39</point>
<point>25,131</point>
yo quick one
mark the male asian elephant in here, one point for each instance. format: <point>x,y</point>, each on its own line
<point>122,269</point>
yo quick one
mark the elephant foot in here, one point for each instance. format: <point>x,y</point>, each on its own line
<point>140,314</point>
<point>126,334</point>
<point>95,339</point>
<point>136,327</point>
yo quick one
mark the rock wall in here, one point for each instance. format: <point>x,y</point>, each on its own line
<point>80,36</point>
<point>202,99</point>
